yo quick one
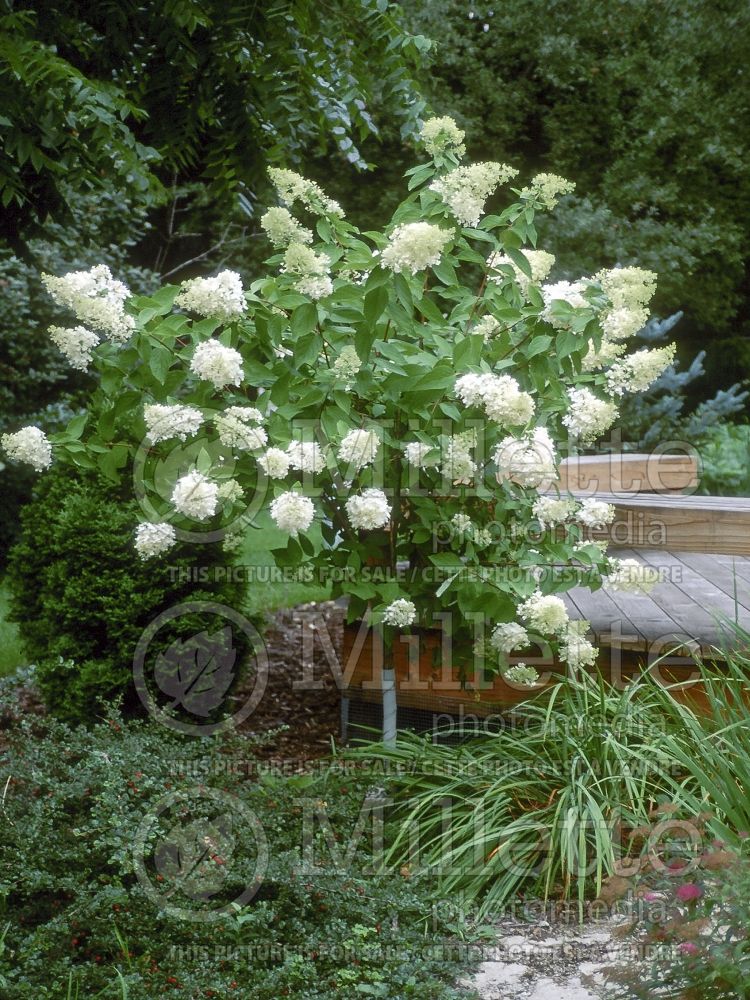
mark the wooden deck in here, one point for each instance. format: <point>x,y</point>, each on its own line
<point>701,591</point>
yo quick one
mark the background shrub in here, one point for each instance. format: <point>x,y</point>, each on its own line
<point>82,599</point>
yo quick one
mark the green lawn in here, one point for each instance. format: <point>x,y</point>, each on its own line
<point>11,652</point>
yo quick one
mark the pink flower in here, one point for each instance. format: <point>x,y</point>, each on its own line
<point>689,892</point>
<point>688,948</point>
<point>652,897</point>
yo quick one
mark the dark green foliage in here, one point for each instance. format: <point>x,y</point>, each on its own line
<point>644,105</point>
<point>82,598</point>
<point>154,94</point>
<point>78,918</point>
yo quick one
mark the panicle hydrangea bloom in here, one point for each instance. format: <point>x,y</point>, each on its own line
<point>230,490</point>
<point>292,513</point>
<point>619,324</point>
<point>293,187</point>
<point>546,189</point>
<point>500,395</point>
<point>347,365</point>
<point>213,362</point>
<point>457,464</point>
<point>28,445</point>
<point>236,428</point>
<point>631,576</point>
<point>218,297</point>
<point>589,416</point>
<point>196,496</point>
<point>550,511</point>
<point>96,298</point>
<point>636,372</point>
<point>466,189</point>
<point>595,514</point>
<point>153,539</point>
<point>487,326</point>
<point>540,263</point>
<point>522,675</point>
<point>544,613</point>
<point>368,510</point>
<point>400,613</point>
<point>416,455</point>
<point>311,270</point>
<point>306,456</point>
<point>508,636</point>
<point>440,135</point>
<point>562,291</point>
<point>608,351</point>
<point>528,461</point>
<point>76,343</point>
<point>574,648</point>
<point>415,246</point>
<point>282,228</point>
<point>275,463</point>
<point>359,448</point>
<point>165,422</point>
<point>628,287</point>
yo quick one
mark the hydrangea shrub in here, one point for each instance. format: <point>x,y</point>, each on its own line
<point>394,401</point>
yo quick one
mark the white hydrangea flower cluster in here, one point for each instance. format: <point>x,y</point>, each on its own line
<point>282,228</point>
<point>310,269</point>
<point>76,343</point>
<point>400,613</point>
<point>457,464</point>
<point>544,613</point>
<point>570,292</point>
<point>166,422</point>
<point>237,428</point>
<point>466,189</point>
<point>441,135</point>
<point>196,496</point>
<point>368,510</point>
<point>231,491</point>
<point>218,297</point>
<point>306,456</point>
<point>292,513</point>
<point>629,289</point>
<point>508,636</point>
<point>275,463</point>
<point>540,262</point>
<point>347,365</point>
<point>522,675</point>
<point>416,455</point>
<point>154,539</point>
<point>551,511</point>
<point>595,514</point>
<point>636,372</point>
<point>500,396</point>
<point>215,363</point>
<point>574,648</point>
<point>630,576</point>
<point>28,445</point>
<point>588,416</point>
<point>415,246</point>
<point>359,448</point>
<point>528,461</point>
<point>546,189</point>
<point>96,298</point>
<point>608,352</point>
<point>292,187</point>
<point>487,326</point>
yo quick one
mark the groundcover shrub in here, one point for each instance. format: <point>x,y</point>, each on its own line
<point>82,602</point>
<point>78,922</point>
<point>393,398</point>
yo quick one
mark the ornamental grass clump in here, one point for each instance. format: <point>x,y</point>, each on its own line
<point>366,392</point>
